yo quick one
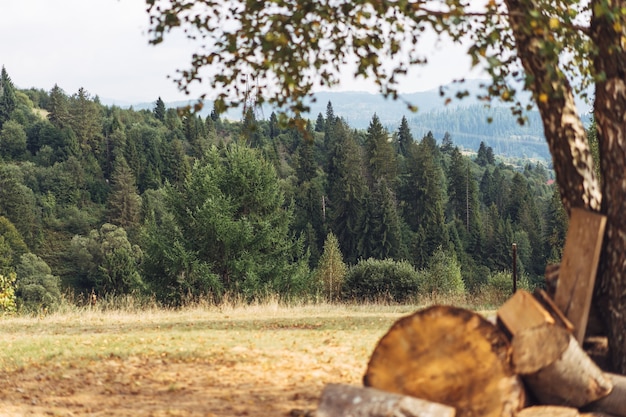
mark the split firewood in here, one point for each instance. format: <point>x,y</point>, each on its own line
<point>556,368</point>
<point>547,302</point>
<point>340,400</point>
<point>522,311</point>
<point>451,356</point>
<point>615,402</point>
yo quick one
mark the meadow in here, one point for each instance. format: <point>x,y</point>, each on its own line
<point>261,359</point>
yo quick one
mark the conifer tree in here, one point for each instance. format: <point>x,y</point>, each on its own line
<point>8,100</point>
<point>58,108</point>
<point>387,230</point>
<point>320,123</point>
<point>346,190</point>
<point>484,156</point>
<point>331,269</point>
<point>85,121</point>
<point>124,203</point>
<point>404,138</point>
<point>159,110</point>
<point>381,160</point>
<point>447,146</point>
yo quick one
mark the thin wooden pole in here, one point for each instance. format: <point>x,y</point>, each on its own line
<point>514,268</point>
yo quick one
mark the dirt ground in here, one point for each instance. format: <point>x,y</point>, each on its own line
<point>244,383</point>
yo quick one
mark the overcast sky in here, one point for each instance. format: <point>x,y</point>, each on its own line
<point>102,46</point>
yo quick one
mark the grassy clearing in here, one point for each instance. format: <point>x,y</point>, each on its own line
<point>265,359</point>
<point>199,332</point>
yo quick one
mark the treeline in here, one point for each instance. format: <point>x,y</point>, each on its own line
<point>103,200</point>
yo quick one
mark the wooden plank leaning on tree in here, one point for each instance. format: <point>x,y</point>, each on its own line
<point>551,361</point>
<point>579,264</point>
<point>339,400</point>
<point>451,356</point>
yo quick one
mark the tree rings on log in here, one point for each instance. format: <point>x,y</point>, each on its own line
<point>451,356</point>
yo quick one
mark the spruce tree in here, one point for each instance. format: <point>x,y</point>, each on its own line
<point>124,203</point>
<point>387,229</point>
<point>159,110</point>
<point>381,160</point>
<point>331,269</point>
<point>8,100</point>
<point>86,121</point>
<point>404,138</point>
<point>320,123</point>
<point>58,108</point>
<point>346,190</point>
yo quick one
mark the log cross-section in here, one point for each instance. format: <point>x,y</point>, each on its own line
<point>451,356</point>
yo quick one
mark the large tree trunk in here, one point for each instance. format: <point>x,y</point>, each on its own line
<point>564,131</point>
<point>570,150</point>
<point>610,111</point>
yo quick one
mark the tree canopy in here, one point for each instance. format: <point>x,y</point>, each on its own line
<point>553,48</point>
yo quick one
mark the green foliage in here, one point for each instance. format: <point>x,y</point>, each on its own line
<point>346,190</point>
<point>12,140</point>
<point>443,275</point>
<point>8,99</point>
<point>124,203</point>
<point>159,110</point>
<point>227,220</point>
<point>36,288</point>
<point>331,270</point>
<point>105,262</point>
<point>375,279</point>
<point>12,246</point>
<point>7,293</point>
<point>381,158</point>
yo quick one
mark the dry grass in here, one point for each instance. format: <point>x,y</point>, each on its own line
<point>125,359</point>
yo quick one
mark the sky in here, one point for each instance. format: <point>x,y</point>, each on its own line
<point>102,46</point>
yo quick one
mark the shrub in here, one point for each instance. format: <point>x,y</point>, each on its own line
<point>7,293</point>
<point>443,275</point>
<point>36,287</point>
<point>499,286</point>
<point>373,279</point>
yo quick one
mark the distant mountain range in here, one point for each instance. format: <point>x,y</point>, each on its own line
<point>466,120</point>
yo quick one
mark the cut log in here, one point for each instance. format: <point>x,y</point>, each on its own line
<point>547,302</point>
<point>451,356</point>
<point>522,311</point>
<point>548,411</point>
<point>537,347</point>
<point>615,402</point>
<point>340,400</point>
<point>579,264</point>
<point>572,380</point>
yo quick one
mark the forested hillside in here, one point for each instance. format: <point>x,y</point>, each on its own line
<point>101,200</point>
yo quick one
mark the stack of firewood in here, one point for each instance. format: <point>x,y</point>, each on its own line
<point>446,361</point>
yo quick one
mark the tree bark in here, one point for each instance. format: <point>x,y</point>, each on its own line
<point>564,131</point>
<point>556,368</point>
<point>450,356</point>
<point>340,400</point>
<point>609,111</point>
<point>615,402</point>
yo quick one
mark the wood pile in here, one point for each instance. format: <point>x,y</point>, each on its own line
<point>446,361</point>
